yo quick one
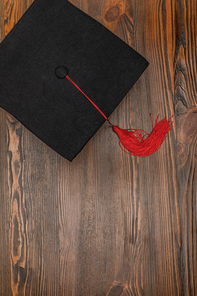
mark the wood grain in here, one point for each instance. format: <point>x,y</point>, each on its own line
<point>18,223</point>
<point>109,223</point>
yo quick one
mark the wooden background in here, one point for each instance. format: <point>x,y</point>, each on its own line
<point>108,223</point>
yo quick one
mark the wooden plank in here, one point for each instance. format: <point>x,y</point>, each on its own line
<point>5,273</point>
<point>18,237</point>
<point>40,183</point>
<point>18,222</point>
<point>186,113</point>
<point>5,211</point>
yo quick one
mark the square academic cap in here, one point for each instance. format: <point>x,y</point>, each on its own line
<point>55,40</point>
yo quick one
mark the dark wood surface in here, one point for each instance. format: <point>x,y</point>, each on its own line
<point>108,223</point>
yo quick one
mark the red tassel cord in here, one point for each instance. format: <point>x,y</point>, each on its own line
<point>135,141</point>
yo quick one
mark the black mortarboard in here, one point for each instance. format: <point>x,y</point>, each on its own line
<point>52,35</point>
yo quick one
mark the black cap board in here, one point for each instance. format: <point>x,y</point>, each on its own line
<point>51,40</point>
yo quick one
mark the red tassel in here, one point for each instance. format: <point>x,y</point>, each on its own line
<point>132,139</point>
<point>144,145</point>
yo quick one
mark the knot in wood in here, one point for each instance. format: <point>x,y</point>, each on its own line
<point>112,14</point>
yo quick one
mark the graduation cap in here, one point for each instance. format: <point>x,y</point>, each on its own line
<point>62,74</point>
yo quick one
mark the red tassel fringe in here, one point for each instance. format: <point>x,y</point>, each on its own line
<point>144,145</point>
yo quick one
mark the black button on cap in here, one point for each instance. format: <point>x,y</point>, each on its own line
<point>61,71</point>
